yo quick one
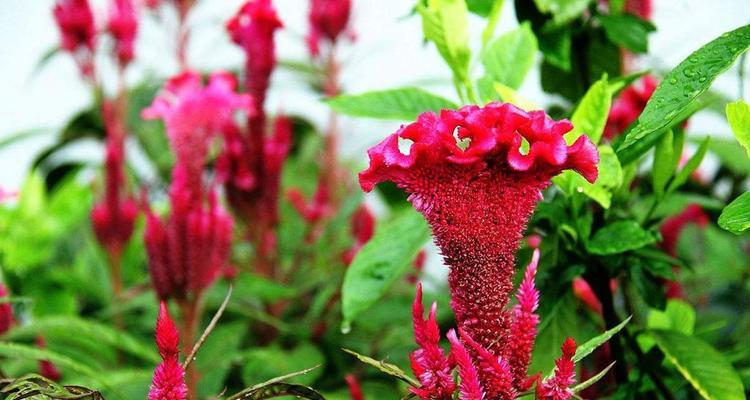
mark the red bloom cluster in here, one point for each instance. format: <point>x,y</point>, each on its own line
<point>328,19</point>
<point>363,227</point>
<point>558,387</point>
<point>6,311</point>
<point>123,26</point>
<point>75,20</point>
<point>317,208</point>
<point>629,105</point>
<point>169,376</point>
<point>190,247</point>
<point>476,175</point>
<point>114,216</point>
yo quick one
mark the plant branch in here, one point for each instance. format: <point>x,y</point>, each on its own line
<point>208,330</point>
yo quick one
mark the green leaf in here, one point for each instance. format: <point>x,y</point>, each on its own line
<point>558,323</point>
<point>736,216</point>
<point>264,363</point>
<point>446,23</point>
<point>593,344</point>
<point>729,153</point>
<point>563,11</point>
<point>399,104</point>
<point>678,316</point>
<point>693,163</point>
<point>591,114</point>
<point>706,369</point>
<point>482,7</point>
<point>509,95</point>
<point>24,352</point>
<point>594,379</point>
<point>492,19</point>
<point>509,58</point>
<point>619,237</point>
<point>738,115</point>
<point>628,31</point>
<point>385,367</point>
<point>663,164</point>
<point>610,178</point>
<point>682,87</point>
<point>213,363</point>
<point>382,261</point>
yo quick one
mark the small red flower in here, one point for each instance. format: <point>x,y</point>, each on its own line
<point>629,105</point>
<point>328,19</point>
<point>363,228</point>
<point>558,386</point>
<point>169,376</point>
<point>583,292</point>
<point>469,389</point>
<point>7,320</point>
<point>123,26</point>
<point>671,229</point>
<point>75,20</point>
<point>355,390</point>
<point>641,8</point>
<point>523,329</point>
<point>467,172</point>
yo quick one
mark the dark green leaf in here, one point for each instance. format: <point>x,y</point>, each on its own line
<point>738,115</point>
<point>663,164</point>
<point>593,344</point>
<point>619,237</point>
<point>628,31</point>
<point>398,104</point>
<point>683,86</point>
<point>693,163</point>
<point>383,260</point>
<point>736,216</point>
<point>706,369</point>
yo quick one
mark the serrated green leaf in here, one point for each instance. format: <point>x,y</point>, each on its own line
<point>693,163</point>
<point>380,262</point>
<point>619,237</point>
<point>736,216</point>
<point>593,344</point>
<point>509,58</point>
<point>627,30</point>
<point>446,23</point>
<point>738,115</point>
<point>590,116</point>
<point>706,369</point>
<point>563,11</point>
<point>398,104</point>
<point>680,88</point>
<point>385,367</point>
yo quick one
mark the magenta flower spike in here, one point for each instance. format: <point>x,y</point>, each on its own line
<point>328,19</point>
<point>75,20</point>
<point>7,320</point>
<point>558,386</point>
<point>169,376</point>
<point>123,26</point>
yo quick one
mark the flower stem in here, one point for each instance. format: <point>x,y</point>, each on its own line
<point>191,310</point>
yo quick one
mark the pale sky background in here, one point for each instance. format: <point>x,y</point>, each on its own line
<point>388,53</point>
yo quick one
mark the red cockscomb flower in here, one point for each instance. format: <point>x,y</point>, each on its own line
<point>328,19</point>
<point>169,376</point>
<point>629,105</point>
<point>75,20</point>
<point>478,196</point>
<point>123,26</point>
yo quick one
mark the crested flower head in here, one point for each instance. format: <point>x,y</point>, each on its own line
<point>253,28</point>
<point>123,26</point>
<point>169,376</point>
<point>629,105</point>
<point>6,311</point>
<point>328,19</point>
<point>476,175</point>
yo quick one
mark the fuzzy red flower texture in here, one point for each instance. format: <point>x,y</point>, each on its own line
<point>123,26</point>
<point>478,196</point>
<point>558,386</point>
<point>328,19</point>
<point>169,376</point>
<point>629,105</point>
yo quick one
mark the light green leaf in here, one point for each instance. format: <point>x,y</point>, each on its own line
<point>509,95</point>
<point>509,58</point>
<point>619,237</point>
<point>24,352</point>
<point>730,154</point>
<point>693,163</point>
<point>594,379</point>
<point>706,369</point>
<point>390,369</point>
<point>681,88</point>
<point>591,114</point>
<point>446,23</point>
<point>610,178</point>
<point>263,363</point>
<point>563,11</point>
<point>492,19</point>
<point>663,164</point>
<point>738,115</point>
<point>736,216</point>
<point>678,316</point>
<point>383,260</point>
<point>398,104</point>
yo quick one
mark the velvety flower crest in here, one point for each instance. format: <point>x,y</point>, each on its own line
<point>169,376</point>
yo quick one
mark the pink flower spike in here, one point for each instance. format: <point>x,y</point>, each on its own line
<point>470,389</point>
<point>7,320</point>
<point>429,363</point>
<point>328,19</point>
<point>583,292</point>
<point>494,372</point>
<point>523,329</point>
<point>123,26</point>
<point>169,376</point>
<point>558,386</point>
<point>75,20</point>
<point>355,391</point>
